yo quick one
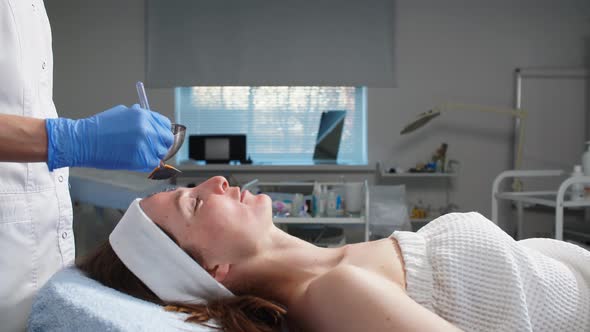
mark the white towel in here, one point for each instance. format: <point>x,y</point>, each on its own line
<point>467,270</point>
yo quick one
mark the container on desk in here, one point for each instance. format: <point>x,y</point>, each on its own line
<point>576,192</point>
<point>353,196</point>
<point>298,207</point>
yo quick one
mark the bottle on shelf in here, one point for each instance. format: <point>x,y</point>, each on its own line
<point>339,205</point>
<point>586,159</point>
<point>298,205</point>
<point>315,199</point>
<point>331,208</point>
<point>586,167</point>
<point>577,189</point>
<point>339,197</point>
<point>324,201</point>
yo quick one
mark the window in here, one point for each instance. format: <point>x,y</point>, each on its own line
<point>281,122</point>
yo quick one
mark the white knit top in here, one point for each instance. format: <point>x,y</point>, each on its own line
<point>468,271</point>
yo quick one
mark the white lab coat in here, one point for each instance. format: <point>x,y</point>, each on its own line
<point>36,236</point>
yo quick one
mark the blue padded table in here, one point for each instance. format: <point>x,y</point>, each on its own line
<point>70,301</point>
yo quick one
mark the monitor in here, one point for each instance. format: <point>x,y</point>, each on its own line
<point>217,148</point>
<point>328,138</point>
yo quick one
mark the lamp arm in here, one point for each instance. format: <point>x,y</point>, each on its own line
<point>517,183</point>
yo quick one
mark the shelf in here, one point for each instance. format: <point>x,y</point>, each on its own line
<point>423,220</point>
<point>579,235</point>
<point>319,221</point>
<point>385,174</point>
<point>547,198</point>
<point>555,199</point>
<point>266,168</point>
<point>110,189</point>
<point>576,203</point>
<point>360,218</point>
<point>417,175</point>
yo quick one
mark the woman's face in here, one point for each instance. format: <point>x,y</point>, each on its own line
<point>214,222</point>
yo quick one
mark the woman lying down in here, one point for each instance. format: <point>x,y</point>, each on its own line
<point>214,252</point>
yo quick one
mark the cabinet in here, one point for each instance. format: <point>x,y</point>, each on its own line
<point>435,184</point>
<point>288,190</point>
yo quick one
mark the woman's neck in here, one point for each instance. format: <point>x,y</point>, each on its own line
<point>282,268</point>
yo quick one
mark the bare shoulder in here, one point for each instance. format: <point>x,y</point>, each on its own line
<point>344,274</point>
<point>349,298</point>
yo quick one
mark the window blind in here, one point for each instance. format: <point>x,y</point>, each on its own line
<point>281,122</point>
<point>266,42</point>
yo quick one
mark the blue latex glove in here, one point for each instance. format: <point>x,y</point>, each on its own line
<point>120,138</point>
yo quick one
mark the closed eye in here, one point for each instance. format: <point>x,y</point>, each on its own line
<point>189,203</point>
<point>192,204</point>
<point>198,203</point>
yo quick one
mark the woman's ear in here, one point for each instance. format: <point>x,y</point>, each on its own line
<point>219,272</point>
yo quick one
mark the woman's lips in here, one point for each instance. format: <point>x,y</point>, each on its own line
<point>242,195</point>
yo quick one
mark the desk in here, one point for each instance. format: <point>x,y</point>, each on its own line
<point>268,168</point>
<point>110,189</point>
<point>108,194</point>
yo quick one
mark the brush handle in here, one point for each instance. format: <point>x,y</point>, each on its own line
<point>143,101</point>
<point>177,130</point>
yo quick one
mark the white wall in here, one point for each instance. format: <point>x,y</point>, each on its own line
<point>454,50</point>
<point>467,51</point>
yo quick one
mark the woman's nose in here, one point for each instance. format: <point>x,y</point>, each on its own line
<point>219,184</point>
<point>216,185</point>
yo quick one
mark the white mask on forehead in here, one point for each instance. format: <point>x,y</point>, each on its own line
<point>159,263</point>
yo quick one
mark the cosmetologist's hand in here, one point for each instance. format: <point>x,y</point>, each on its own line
<point>119,138</point>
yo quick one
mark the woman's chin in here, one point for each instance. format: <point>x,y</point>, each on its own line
<point>264,197</point>
<point>264,206</point>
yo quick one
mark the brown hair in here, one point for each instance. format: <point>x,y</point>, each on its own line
<point>239,313</point>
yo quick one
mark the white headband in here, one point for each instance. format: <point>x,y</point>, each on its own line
<point>160,263</point>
